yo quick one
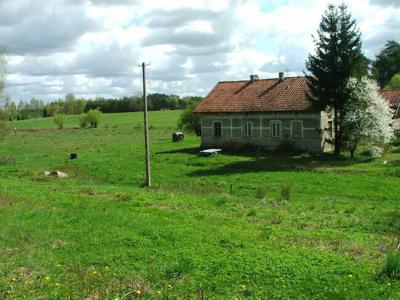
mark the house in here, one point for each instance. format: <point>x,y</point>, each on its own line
<point>392,96</point>
<point>269,113</point>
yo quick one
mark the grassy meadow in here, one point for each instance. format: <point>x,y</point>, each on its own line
<point>245,225</point>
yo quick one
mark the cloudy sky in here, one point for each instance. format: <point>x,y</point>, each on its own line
<point>93,47</point>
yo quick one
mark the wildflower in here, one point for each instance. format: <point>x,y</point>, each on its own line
<point>106,267</point>
<point>116,298</point>
<point>58,265</point>
<point>47,278</point>
<point>14,279</point>
<point>138,292</point>
<point>243,286</point>
<point>350,276</point>
<point>158,292</point>
<point>57,284</point>
<point>389,284</point>
<point>169,286</point>
<point>94,273</point>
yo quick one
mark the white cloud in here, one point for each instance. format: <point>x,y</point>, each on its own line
<point>93,47</point>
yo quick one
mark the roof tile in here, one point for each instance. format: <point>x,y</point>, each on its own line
<point>257,96</point>
<point>392,96</point>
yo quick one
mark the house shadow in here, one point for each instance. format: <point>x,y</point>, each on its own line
<point>270,161</point>
<point>193,150</point>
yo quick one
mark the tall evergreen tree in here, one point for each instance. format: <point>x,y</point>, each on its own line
<point>337,57</point>
<point>387,63</point>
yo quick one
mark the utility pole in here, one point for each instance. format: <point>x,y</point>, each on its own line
<point>146,129</point>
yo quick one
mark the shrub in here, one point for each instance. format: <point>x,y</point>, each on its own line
<point>391,269</point>
<point>92,118</point>
<point>83,122</point>
<point>59,120</point>
<point>373,151</point>
<point>190,121</point>
<point>4,129</point>
<point>396,141</point>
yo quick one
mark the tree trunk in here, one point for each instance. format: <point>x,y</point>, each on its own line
<point>337,134</point>
<point>352,150</point>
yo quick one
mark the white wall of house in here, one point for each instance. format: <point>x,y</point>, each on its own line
<point>301,130</point>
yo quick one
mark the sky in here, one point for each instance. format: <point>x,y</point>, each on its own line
<point>92,48</point>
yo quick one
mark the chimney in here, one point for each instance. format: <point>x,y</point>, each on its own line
<point>254,78</point>
<point>281,76</point>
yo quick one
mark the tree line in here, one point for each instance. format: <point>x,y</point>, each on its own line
<point>72,105</point>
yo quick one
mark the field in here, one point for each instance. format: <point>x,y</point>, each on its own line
<point>242,225</point>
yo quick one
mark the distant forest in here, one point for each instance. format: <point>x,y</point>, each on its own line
<point>71,105</point>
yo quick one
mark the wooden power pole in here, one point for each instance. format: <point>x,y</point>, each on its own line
<point>146,129</point>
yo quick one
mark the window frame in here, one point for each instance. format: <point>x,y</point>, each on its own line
<point>220,128</point>
<point>247,129</point>
<point>330,128</point>
<point>273,123</point>
<point>301,129</point>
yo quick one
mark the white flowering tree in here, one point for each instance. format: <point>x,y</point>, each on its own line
<point>366,117</point>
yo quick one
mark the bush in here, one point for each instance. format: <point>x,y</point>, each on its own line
<point>83,122</point>
<point>391,269</point>
<point>4,129</point>
<point>92,118</point>
<point>396,141</point>
<point>59,120</point>
<point>373,151</point>
<point>190,121</point>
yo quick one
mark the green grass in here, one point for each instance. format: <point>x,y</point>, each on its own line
<point>296,226</point>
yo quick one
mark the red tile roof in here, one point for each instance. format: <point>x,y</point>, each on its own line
<point>392,96</point>
<point>257,96</point>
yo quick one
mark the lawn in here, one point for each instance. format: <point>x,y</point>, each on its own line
<point>242,225</point>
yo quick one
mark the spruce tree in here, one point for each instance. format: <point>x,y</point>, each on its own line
<point>337,58</point>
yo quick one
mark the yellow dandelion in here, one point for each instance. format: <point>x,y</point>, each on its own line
<point>350,276</point>
<point>158,292</point>
<point>138,292</point>
<point>14,279</point>
<point>106,267</point>
<point>94,273</point>
<point>47,278</point>
<point>116,298</point>
<point>243,286</point>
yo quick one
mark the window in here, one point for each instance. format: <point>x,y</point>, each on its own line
<point>330,128</point>
<point>217,128</point>
<point>297,129</point>
<point>247,129</point>
<point>276,128</point>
